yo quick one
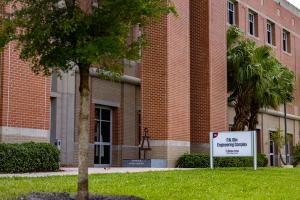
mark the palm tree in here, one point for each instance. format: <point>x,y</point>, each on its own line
<point>244,73</point>
<point>278,88</point>
<point>256,79</point>
<point>266,94</point>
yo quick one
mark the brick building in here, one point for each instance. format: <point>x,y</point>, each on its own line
<point>275,23</point>
<point>178,90</point>
<point>24,100</point>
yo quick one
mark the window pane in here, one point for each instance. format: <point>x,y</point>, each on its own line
<point>231,13</point>
<point>231,6</point>
<point>269,37</point>
<point>251,28</point>
<point>105,131</point>
<point>97,113</point>
<point>270,33</point>
<point>231,18</point>
<point>97,131</point>
<point>105,114</point>
<point>271,147</point>
<point>97,154</point>
<point>251,17</point>
<point>105,155</point>
<point>252,22</point>
<point>285,41</point>
<point>272,160</point>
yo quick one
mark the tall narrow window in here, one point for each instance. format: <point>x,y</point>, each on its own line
<point>272,150</point>
<point>269,33</point>
<point>252,19</point>
<point>231,13</point>
<point>286,41</point>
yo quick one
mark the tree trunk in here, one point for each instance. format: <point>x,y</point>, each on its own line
<point>253,116</point>
<point>83,190</point>
<point>85,6</point>
<point>83,133</point>
<point>281,159</point>
<point>241,113</point>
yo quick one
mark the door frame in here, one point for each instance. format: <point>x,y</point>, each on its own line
<point>105,143</point>
<point>273,154</point>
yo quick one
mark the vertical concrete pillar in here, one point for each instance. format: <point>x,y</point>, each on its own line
<point>64,116</point>
<point>166,86</point>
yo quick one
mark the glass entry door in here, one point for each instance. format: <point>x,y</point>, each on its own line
<point>103,137</point>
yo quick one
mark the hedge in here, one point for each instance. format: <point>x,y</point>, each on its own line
<point>28,157</point>
<point>297,155</point>
<point>198,160</point>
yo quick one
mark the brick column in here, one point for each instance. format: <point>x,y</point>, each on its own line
<point>165,85</point>
<point>208,71</point>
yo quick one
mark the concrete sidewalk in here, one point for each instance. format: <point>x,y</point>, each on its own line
<point>74,171</point>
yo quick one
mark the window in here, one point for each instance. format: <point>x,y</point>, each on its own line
<point>231,13</point>
<point>102,136</point>
<point>286,41</point>
<point>271,33</point>
<point>252,18</point>
<point>289,148</point>
<point>272,153</point>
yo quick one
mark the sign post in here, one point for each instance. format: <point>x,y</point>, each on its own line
<point>233,144</point>
<point>254,147</point>
<point>211,151</point>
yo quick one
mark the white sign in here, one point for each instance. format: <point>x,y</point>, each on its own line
<point>233,144</point>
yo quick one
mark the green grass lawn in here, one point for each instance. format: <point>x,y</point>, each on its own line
<point>268,183</point>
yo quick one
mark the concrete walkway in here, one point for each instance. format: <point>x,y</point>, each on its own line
<point>74,171</point>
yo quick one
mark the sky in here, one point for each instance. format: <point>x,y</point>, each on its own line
<point>295,2</point>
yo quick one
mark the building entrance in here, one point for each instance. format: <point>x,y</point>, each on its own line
<point>103,137</point>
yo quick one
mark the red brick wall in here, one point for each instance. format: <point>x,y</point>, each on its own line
<point>165,77</point>
<point>25,97</point>
<point>283,19</point>
<point>117,133</point>
<point>154,80</point>
<point>200,72</point>
<point>218,65</point>
<point>297,52</point>
<point>208,69</point>
<point>179,73</point>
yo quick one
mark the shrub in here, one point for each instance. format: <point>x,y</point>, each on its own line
<point>262,160</point>
<point>28,157</point>
<point>200,160</point>
<point>297,155</point>
<point>195,160</point>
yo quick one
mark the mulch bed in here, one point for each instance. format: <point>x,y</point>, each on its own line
<point>66,196</point>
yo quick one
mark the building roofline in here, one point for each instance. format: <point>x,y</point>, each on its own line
<point>290,7</point>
